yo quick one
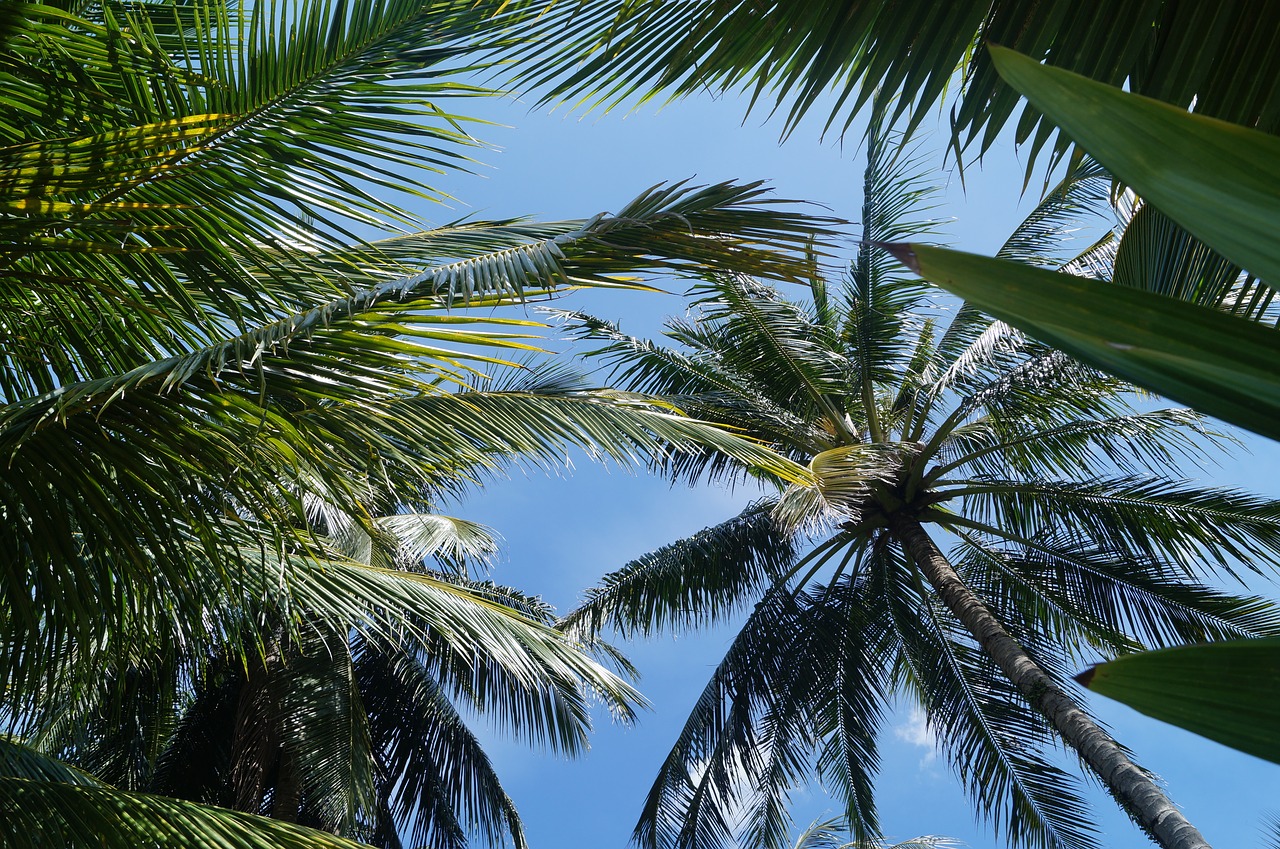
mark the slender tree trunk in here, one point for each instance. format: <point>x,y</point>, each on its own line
<point>1131,786</point>
<point>288,793</point>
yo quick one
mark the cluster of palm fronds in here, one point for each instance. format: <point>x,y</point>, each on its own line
<point>238,376</point>
<point>1071,533</point>
<point>218,314</point>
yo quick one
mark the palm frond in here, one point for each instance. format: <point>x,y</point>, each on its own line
<point>1159,440</point>
<point>691,582</point>
<point>693,797</point>
<point>18,760</point>
<point>763,335</point>
<point>989,733</point>
<point>1042,238</point>
<point>42,813</point>
<point>1153,518</point>
<point>699,381</point>
<point>895,193</point>
<point>438,782</point>
<point>1157,255</point>
<point>851,645</point>
<point>789,54</point>
<point>326,754</point>
<point>1096,598</point>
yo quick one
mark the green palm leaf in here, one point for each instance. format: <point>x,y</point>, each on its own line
<point>990,734</point>
<point>1223,691</point>
<point>21,761</point>
<point>694,581</point>
<point>787,55</point>
<point>445,781</point>
<point>42,813</point>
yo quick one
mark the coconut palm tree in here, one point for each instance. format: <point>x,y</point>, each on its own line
<point>216,308</point>
<point>361,737</point>
<point>1069,532</point>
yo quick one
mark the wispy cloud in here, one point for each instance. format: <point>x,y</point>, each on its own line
<point>915,731</point>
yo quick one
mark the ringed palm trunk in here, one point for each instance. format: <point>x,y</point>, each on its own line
<point>1130,785</point>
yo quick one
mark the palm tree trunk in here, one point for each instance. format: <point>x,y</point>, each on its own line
<point>288,792</point>
<point>1128,783</point>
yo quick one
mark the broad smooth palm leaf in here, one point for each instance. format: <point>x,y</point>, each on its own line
<point>1070,535</point>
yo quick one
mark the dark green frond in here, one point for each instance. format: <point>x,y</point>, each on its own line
<point>692,801</point>
<point>326,755</point>
<point>849,654</point>
<point>1043,237</point>
<point>690,583</point>
<point>41,814</point>
<point>908,52</point>
<point>437,781</point>
<point>1004,446</point>
<point>1105,600</point>
<point>1154,519</point>
<point>18,760</point>
<point>988,732</point>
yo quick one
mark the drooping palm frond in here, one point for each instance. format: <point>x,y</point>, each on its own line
<point>1101,600</point>
<point>1154,519</point>
<point>311,730</point>
<point>850,704</point>
<point>990,735</point>
<point>694,581</point>
<point>314,394</point>
<point>787,55</point>
<point>42,813</point>
<point>21,761</point>
<point>438,782</point>
<point>828,834</point>
<point>697,787</point>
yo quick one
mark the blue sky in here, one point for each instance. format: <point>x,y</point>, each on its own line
<point>563,531</point>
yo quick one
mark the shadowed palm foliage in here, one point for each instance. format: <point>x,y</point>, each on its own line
<point>795,57</point>
<point>1069,531</point>
<point>788,54</point>
<point>216,311</point>
<point>360,736</point>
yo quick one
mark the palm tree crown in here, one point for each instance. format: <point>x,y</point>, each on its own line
<point>1069,532</point>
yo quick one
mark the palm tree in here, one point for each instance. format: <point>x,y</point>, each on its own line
<point>1069,536</point>
<point>356,736</point>
<point>216,309</point>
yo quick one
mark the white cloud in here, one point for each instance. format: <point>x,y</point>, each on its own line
<point>915,731</point>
